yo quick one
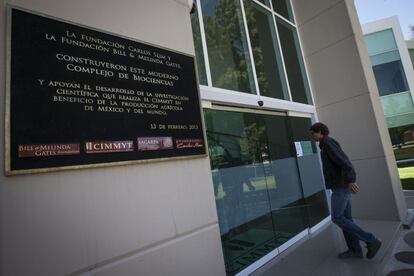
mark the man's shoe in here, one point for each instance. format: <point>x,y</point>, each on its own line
<point>350,255</point>
<point>373,248</point>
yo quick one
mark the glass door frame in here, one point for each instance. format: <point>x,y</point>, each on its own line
<point>309,231</point>
<point>216,98</point>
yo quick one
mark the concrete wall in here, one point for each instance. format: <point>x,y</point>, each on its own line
<point>347,100</point>
<point>153,219</point>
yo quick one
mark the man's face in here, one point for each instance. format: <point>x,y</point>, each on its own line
<point>316,136</point>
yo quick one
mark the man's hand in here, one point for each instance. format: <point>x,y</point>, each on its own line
<point>353,187</point>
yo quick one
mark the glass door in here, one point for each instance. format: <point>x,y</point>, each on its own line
<point>310,170</point>
<point>288,207</point>
<point>237,148</point>
<point>267,181</point>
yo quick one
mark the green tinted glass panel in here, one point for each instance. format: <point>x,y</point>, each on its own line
<point>227,48</point>
<point>385,58</point>
<point>308,165</point>
<point>400,120</point>
<point>257,183</point>
<point>289,210</point>
<point>198,48</point>
<point>380,42</point>
<point>397,104</point>
<point>283,8</point>
<point>295,68</point>
<point>236,148</point>
<point>266,54</point>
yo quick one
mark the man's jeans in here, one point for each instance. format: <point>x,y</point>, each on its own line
<point>342,216</point>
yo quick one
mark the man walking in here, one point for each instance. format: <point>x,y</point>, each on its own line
<point>340,177</point>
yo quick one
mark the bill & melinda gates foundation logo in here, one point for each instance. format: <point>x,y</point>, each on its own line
<point>38,150</point>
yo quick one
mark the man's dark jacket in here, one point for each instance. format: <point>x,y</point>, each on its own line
<point>337,168</point>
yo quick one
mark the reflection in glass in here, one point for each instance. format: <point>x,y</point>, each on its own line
<point>286,197</point>
<point>257,185</point>
<point>227,48</point>
<point>399,137</point>
<point>390,78</point>
<point>411,51</point>
<point>283,8</point>
<point>266,55</point>
<point>309,166</point>
<point>198,49</point>
<point>235,148</point>
<point>292,56</point>
<point>266,2</point>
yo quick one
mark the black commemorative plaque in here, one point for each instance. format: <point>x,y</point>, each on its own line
<point>81,97</point>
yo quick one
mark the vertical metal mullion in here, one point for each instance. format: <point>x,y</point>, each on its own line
<point>249,47</point>
<point>204,43</point>
<point>281,52</point>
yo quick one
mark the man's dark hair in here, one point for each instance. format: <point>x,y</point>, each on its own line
<point>320,128</point>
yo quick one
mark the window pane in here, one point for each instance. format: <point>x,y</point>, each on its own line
<point>266,55</point>
<point>292,56</point>
<point>198,48</point>
<point>230,64</point>
<point>400,120</point>
<point>385,57</point>
<point>283,8</point>
<point>258,184</point>
<point>380,42</point>
<point>309,169</point>
<point>390,78</point>
<point>235,143</point>
<point>400,136</point>
<point>266,2</point>
<point>288,207</point>
<point>412,55</point>
<point>397,104</point>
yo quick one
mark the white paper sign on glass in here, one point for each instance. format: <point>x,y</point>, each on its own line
<point>299,151</point>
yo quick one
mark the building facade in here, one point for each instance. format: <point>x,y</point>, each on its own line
<point>267,70</point>
<point>265,169</point>
<point>394,74</point>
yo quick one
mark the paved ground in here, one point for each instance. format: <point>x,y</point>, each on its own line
<point>317,255</point>
<point>391,263</point>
